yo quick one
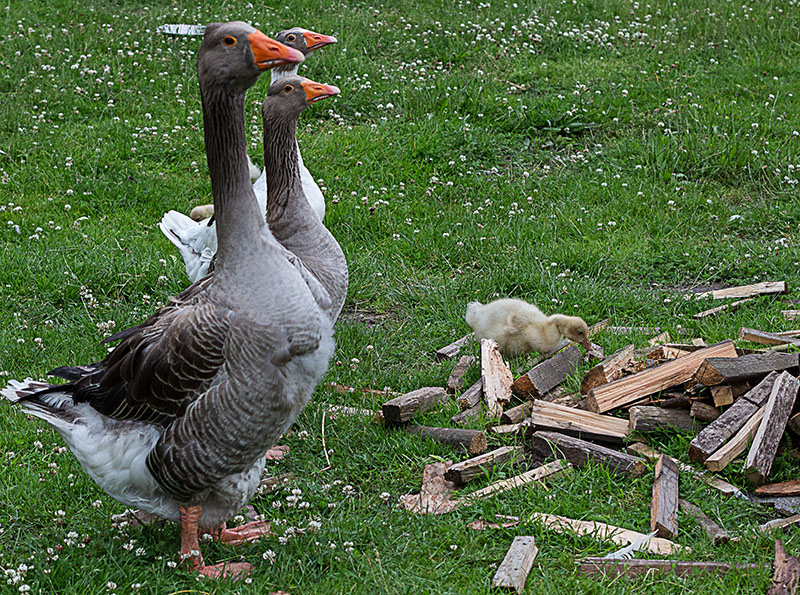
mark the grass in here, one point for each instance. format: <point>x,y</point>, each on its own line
<point>594,158</point>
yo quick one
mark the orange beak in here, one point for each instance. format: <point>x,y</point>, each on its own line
<point>316,91</point>
<point>268,53</point>
<point>314,41</point>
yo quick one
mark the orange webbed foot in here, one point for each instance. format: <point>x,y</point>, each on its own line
<point>246,533</point>
<point>277,453</point>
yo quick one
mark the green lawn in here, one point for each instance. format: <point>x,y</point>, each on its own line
<point>596,158</point>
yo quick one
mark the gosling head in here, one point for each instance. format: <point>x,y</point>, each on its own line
<point>575,329</point>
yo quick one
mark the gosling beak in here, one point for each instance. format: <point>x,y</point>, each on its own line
<point>587,343</point>
<point>314,41</point>
<point>268,53</point>
<point>316,91</point>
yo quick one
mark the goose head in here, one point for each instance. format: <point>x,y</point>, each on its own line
<point>288,97</point>
<point>234,54</point>
<point>304,40</point>
<point>575,329</point>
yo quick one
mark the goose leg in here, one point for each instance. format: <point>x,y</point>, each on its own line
<point>277,453</point>
<point>246,533</point>
<point>190,548</point>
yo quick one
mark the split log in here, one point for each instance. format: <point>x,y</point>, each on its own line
<point>580,452</point>
<point>464,471</point>
<point>496,378</point>
<point>786,580</point>
<point>737,444</point>
<point>703,412</point>
<point>456,380</point>
<point>745,291</point>
<point>659,339</point>
<point>729,307</point>
<point>534,475</point>
<point>717,534</point>
<point>791,314</point>
<point>452,350</point>
<point>620,536</point>
<point>644,418</point>
<point>516,414</point>
<point>713,436</point>
<point>472,396</point>
<point>722,395</point>
<point>624,390</point>
<point>513,570</point>
<point>716,370</point>
<point>435,495</point>
<point>664,505</point>
<point>549,374</point>
<point>575,422</point>
<point>473,441</point>
<point>475,411</point>
<point>402,408</point>
<point>642,450</point>
<point>632,330</point>
<point>779,523</point>
<point>784,488</point>
<point>608,370</point>
<point>765,444</point>
<point>794,423</point>
<point>635,567</point>
<point>765,338</point>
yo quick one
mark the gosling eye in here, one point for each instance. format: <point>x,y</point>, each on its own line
<point>229,40</point>
<point>291,37</point>
<point>288,88</point>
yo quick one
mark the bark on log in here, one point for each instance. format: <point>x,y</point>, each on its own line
<point>452,350</point>
<point>716,370</point>
<point>472,396</point>
<point>579,453</point>
<point>704,412</point>
<point>653,419</point>
<point>664,504</point>
<point>464,471</point>
<point>737,444</point>
<point>402,408</point>
<point>608,370</point>
<point>467,414</point>
<point>550,373</point>
<point>456,380</point>
<point>473,441</point>
<point>786,580</point>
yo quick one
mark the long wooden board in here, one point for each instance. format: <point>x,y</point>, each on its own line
<point>631,388</point>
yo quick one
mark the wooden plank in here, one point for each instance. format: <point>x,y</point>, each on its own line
<point>580,452</point>
<point>496,378</point>
<point>636,568</point>
<point>473,441</point>
<point>550,373</point>
<point>644,418</point>
<point>632,330</point>
<point>513,570</point>
<point>601,531</point>
<point>765,444</point>
<point>472,396</point>
<point>625,390</point>
<point>551,469</point>
<point>765,338</point>
<point>642,450</point>
<point>464,471</point>
<point>745,291</point>
<point>468,414</point>
<point>730,307</point>
<point>575,422</point>
<point>608,370</point>
<point>402,408</point>
<point>713,436</point>
<point>456,380</point>
<point>779,523</point>
<point>452,350</point>
<point>703,412</point>
<point>664,504</point>
<point>791,314</point>
<point>784,488</point>
<point>736,445</point>
<point>717,534</point>
<point>716,370</point>
<point>786,580</point>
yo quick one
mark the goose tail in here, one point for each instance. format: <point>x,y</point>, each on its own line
<point>45,401</point>
<point>473,313</point>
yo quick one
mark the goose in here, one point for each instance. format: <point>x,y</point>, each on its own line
<point>176,420</point>
<point>197,240</point>
<point>290,216</point>
<point>520,327</point>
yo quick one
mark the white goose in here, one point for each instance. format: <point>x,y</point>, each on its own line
<point>177,419</point>
<point>197,240</point>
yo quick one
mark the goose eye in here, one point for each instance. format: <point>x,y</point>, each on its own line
<point>291,37</point>
<point>229,41</point>
<point>288,88</point>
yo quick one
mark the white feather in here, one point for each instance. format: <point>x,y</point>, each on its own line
<point>629,550</point>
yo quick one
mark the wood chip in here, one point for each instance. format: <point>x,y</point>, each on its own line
<point>436,495</point>
<point>784,488</point>
<point>550,469</point>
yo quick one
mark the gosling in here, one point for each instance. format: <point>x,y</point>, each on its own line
<point>520,327</point>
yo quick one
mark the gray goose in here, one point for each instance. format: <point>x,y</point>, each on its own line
<point>290,216</point>
<point>177,419</point>
<point>197,240</point>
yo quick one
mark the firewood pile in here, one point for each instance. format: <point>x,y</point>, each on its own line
<point>736,402</point>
